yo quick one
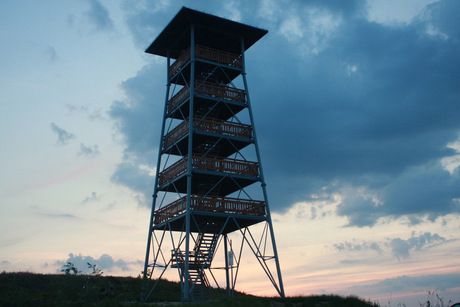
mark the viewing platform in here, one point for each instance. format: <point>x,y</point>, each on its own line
<point>207,58</point>
<point>228,101</point>
<point>245,209</point>
<point>218,176</point>
<point>225,137</point>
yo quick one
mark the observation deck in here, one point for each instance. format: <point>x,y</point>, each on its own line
<point>212,175</point>
<point>223,101</point>
<point>215,136</point>
<point>211,211</point>
<point>217,65</point>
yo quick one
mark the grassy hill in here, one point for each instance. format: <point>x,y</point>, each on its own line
<point>27,289</point>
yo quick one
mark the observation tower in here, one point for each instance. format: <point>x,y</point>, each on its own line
<point>209,190</point>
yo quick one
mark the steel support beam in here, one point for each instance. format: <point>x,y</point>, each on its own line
<point>185,272</point>
<point>261,172</point>
<point>155,193</point>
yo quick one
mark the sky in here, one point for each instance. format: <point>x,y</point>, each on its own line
<point>356,105</point>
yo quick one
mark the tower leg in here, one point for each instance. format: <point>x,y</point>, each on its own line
<point>145,274</point>
<point>185,271</point>
<point>263,184</point>
<point>227,276</point>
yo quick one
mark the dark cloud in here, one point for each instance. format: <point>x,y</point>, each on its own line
<point>423,191</point>
<point>401,248</point>
<point>104,262</point>
<point>99,16</point>
<point>63,135</point>
<point>138,180</point>
<point>88,151</point>
<point>349,106</point>
<point>134,116</point>
<point>140,130</point>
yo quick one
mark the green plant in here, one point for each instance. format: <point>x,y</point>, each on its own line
<point>434,300</point>
<point>95,271</point>
<point>70,269</point>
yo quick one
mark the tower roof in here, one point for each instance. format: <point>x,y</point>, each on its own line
<point>210,30</point>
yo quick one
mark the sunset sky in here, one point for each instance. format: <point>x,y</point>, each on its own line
<point>357,107</point>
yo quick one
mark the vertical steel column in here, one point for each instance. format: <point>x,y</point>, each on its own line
<point>155,191</point>
<point>262,179</point>
<point>227,277</point>
<point>186,294</point>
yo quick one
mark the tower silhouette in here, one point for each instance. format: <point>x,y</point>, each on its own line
<point>205,192</point>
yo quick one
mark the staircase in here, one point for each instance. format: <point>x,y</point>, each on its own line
<point>200,258</point>
<point>204,249</point>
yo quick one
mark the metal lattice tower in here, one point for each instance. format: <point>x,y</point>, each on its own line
<point>206,192</point>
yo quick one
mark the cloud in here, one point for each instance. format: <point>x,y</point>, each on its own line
<point>413,283</point>
<point>365,110</point>
<point>140,132</point>
<point>91,198</point>
<point>401,248</point>
<point>88,151</point>
<point>358,247</point>
<point>66,216</point>
<point>11,241</point>
<point>422,191</point>
<point>99,16</point>
<point>51,54</point>
<point>231,6</point>
<point>366,130</point>
<point>5,265</point>
<point>104,262</point>
<point>135,178</point>
<point>63,135</point>
<point>92,114</point>
<point>145,18</point>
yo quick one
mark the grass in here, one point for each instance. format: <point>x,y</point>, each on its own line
<point>28,289</point>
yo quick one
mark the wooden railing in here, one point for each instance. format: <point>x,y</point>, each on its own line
<point>173,171</point>
<point>207,53</point>
<point>171,210</point>
<point>210,125</point>
<point>219,56</point>
<point>225,165</point>
<point>211,204</point>
<point>177,99</point>
<point>183,57</point>
<point>233,166</point>
<point>208,89</point>
<point>176,133</point>
<point>220,91</point>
